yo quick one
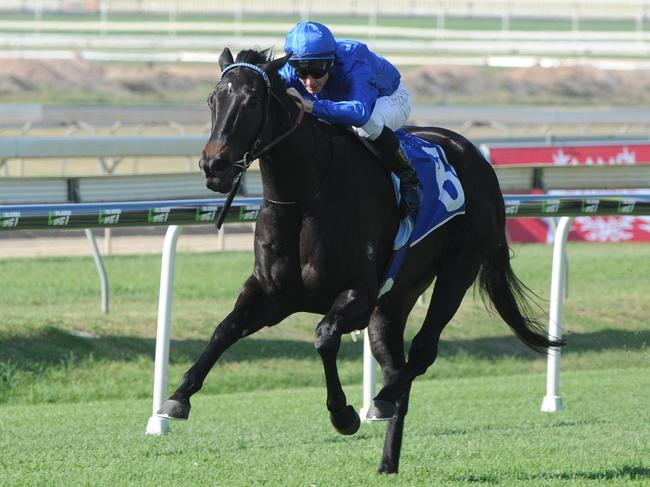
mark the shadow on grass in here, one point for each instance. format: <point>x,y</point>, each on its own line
<point>627,472</point>
<point>52,347</point>
<point>510,346</point>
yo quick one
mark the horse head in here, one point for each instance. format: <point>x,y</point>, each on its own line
<point>240,105</point>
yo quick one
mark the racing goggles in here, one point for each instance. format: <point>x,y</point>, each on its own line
<point>316,68</point>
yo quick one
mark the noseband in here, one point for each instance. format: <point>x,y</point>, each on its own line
<point>244,163</point>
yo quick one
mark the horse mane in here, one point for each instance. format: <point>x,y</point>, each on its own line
<point>255,56</point>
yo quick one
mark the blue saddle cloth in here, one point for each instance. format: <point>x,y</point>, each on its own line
<point>443,199</point>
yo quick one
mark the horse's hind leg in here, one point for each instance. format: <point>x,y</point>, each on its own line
<point>452,282</point>
<point>349,312</point>
<point>252,311</point>
<point>386,333</point>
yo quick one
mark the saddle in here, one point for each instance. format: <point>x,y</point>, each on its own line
<point>443,199</point>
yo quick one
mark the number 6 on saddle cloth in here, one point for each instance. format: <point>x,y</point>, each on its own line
<point>443,199</point>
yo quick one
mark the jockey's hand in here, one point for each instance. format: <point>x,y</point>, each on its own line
<point>308,105</point>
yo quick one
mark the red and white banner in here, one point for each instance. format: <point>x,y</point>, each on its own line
<point>575,155</point>
<point>588,229</point>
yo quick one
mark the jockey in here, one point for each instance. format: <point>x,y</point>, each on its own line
<point>343,82</point>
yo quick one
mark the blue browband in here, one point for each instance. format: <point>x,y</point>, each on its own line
<point>257,69</point>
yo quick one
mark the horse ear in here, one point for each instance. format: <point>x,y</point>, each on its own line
<point>276,64</point>
<point>225,59</point>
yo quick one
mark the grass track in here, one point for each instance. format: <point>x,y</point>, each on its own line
<point>45,301</point>
<point>459,432</point>
<point>73,409</point>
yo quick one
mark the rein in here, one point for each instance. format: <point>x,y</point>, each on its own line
<point>244,163</point>
<point>248,158</point>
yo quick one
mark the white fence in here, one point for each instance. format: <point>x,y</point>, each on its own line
<point>108,215</point>
<point>404,46</point>
<point>425,28</point>
<point>177,213</point>
<point>70,188</point>
<point>67,189</point>
<point>576,9</point>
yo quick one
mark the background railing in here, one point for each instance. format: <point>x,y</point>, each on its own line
<point>177,213</point>
<point>409,32</point>
<point>501,9</point>
<point>528,167</point>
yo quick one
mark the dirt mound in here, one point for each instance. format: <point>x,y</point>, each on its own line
<point>563,85</point>
<point>19,76</point>
<point>577,82</point>
<point>77,80</point>
<point>33,75</point>
<point>441,82</point>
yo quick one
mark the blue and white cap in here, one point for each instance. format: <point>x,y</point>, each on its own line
<point>310,41</point>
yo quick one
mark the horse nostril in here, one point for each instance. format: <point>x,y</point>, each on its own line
<point>204,166</point>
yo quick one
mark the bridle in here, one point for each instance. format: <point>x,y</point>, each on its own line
<point>247,159</point>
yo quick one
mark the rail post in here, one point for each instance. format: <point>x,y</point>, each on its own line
<point>156,425</point>
<point>552,401</point>
<point>369,376</point>
<point>99,263</point>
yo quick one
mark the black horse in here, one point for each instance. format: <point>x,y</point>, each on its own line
<point>324,236</point>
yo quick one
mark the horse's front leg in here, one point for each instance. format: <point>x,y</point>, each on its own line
<point>253,310</point>
<point>349,312</point>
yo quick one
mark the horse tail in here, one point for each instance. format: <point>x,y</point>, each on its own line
<point>512,299</point>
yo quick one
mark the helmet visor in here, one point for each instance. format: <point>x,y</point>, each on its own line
<point>316,68</point>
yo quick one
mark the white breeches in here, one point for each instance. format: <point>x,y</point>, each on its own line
<point>390,111</point>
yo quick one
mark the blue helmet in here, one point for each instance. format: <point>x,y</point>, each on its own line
<point>310,40</point>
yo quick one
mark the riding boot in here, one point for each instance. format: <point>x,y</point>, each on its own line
<point>398,162</point>
<point>409,183</point>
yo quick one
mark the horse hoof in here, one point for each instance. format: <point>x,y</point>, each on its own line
<point>387,469</point>
<point>174,409</point>
<point>381,410</point>
<point>346,421</point>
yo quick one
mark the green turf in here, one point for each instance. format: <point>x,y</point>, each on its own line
<point>46,302</point>
<point>73,409</point>
<point>486,431</point>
